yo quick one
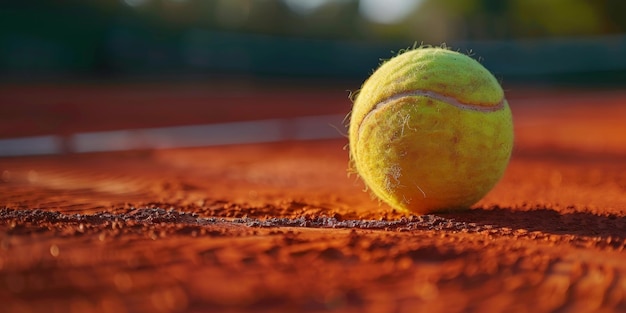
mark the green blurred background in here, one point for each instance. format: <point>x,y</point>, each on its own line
<point>529,41</point>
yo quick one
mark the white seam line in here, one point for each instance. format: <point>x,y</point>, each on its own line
<point>437,96</point>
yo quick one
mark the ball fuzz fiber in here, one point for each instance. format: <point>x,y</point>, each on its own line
<point>430,131</point>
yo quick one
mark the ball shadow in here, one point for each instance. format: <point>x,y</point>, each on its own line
<point>546,220</point>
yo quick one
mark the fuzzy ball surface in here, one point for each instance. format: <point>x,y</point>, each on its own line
<point>430,130</point>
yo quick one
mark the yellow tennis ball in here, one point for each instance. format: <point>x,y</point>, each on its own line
<point>430,130</point>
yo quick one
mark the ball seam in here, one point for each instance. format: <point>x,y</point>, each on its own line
<point>436,96</point>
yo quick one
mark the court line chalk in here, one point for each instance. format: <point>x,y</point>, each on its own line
<point>247,132</point>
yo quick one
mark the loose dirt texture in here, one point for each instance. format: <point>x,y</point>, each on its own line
<point>282,227</point>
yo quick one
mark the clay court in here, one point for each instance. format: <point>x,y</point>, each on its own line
<point>276,224</point>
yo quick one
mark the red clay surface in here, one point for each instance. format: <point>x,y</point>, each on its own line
<point>281,227</point>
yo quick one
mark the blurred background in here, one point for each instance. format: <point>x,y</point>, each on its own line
<point>519,40</point>
<point>69,66</point>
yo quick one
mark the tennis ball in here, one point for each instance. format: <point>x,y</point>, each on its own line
<point>430,130</point>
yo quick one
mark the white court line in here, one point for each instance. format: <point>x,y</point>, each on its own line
<point>39,145</point>
<point>271,130</point>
